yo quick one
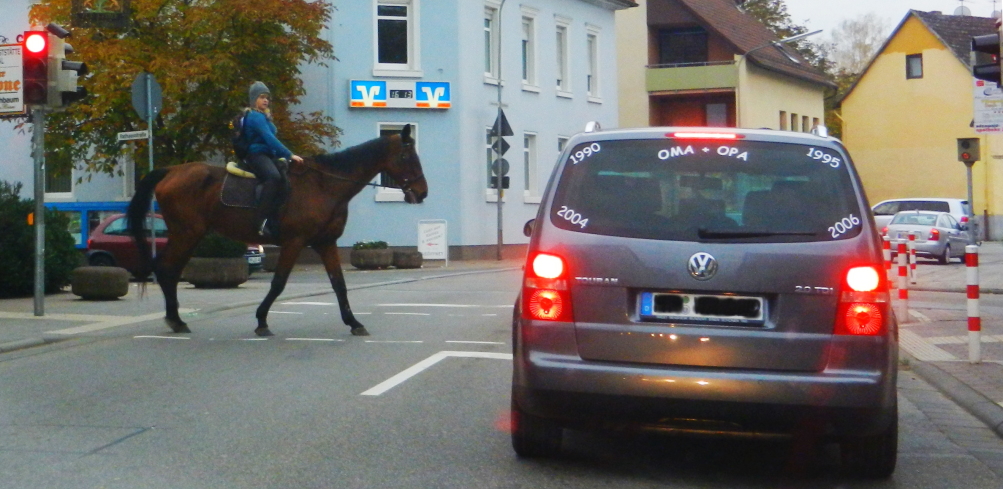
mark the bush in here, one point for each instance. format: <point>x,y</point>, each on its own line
<point>370,245</point>
<point>17,240</point>
<point>215,245</point>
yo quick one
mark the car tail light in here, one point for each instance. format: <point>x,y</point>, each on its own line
<point>90,241</point>
<point>964,219</point>
<point>863,302</point>
<point>884,231</point>
<point>934,235</point>
<point>545,292</point>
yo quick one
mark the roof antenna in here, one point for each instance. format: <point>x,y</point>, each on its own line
<point>963,10</point>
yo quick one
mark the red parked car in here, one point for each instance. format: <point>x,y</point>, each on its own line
<point>111,245</point>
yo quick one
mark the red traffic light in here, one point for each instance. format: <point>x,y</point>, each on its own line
<point>35,42</point>
<point>966,156</point>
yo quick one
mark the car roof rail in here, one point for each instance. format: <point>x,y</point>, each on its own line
<point>592,126</point>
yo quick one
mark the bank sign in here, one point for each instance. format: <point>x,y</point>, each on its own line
<point>399,94</point>
<point>11,85</point>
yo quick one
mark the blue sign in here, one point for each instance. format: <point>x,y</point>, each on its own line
<point>399,94</point>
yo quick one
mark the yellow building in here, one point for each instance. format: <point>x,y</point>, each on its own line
<point>904,115</point>
<point>707,63</point>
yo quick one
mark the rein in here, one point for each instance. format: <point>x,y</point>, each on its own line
<point>405,183</point>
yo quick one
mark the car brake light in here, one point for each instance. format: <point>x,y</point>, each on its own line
<point>863,303</point>
<point>884,231</point>
<point>705,135</point>
<point>934,235</point>
<point>90,241</point>
<point>545,292</point>
<point>964,219</point>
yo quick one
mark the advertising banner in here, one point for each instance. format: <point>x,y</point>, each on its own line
<point>988,107</point>
<point>11,84</point>
<point>399,94</point>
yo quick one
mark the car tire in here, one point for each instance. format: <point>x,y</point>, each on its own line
<point>945,257</point>
<point>101,260</point>
<point>872,457</point>
<point>534,437</point>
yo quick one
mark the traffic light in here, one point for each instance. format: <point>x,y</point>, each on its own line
<point>986,57</point>
<point>969,150</point>
<point>62,72</point>
<point>34,67</point>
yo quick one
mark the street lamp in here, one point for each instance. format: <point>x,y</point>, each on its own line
<point>778,43</point>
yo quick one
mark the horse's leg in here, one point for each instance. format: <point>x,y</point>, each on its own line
<point>287,259</point>
<point>168,268</point>
<point>332,263</point>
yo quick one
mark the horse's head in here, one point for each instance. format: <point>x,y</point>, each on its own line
<point>406,169</point>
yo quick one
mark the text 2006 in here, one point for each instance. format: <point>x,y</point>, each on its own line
<point>572,216</point>
<point>843,225</point>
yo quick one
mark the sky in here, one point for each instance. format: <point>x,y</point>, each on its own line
<point>827,14</point>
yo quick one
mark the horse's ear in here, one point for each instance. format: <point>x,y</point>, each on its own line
<point>406,134</point>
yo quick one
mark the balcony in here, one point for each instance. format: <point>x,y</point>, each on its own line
<point>691,76</point>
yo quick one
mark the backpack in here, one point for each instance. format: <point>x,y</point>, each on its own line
<point>241,147</point>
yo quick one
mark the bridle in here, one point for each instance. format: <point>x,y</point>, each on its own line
<point>406,183</point>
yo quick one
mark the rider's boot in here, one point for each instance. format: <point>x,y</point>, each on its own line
<point>268,209</point>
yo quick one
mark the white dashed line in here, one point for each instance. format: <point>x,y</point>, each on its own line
<point>426,363</point>
<point>408,313</point>
<point>308,303</point>
<point>284,312</point>
<point>394,341</point>
<point>440,305</point>
<point>312,339</point>
<point>488,314</point>
<point>164,337</point>
<point>477,342</point>
<point>254,339</point>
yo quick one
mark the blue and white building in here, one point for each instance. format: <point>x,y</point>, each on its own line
<point>435,64</point>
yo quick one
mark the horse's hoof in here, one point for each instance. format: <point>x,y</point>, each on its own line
<point>178,326</point>
<point>360,331</point>
<point>263,332</point>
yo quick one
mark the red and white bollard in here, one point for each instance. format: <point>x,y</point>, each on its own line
<point>886,253</point>
<point>903,283</point>
<point>912,257</point>
<point>974,320</point>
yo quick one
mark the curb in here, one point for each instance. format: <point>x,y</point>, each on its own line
<point>980,406</point>
<point>22,344</point>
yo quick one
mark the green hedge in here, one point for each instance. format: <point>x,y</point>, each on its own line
<point>17,241</point>
<point>214,245</point>
<point>370,245</point>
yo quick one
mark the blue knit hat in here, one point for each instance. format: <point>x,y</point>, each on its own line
<point>257,88</point>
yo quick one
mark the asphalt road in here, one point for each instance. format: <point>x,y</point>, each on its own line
<point>423,402</point>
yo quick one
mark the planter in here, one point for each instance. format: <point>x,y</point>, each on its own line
<point>371,259</point>
<point>99,283</point>
<point>407,259</point>
<point>215,273</point>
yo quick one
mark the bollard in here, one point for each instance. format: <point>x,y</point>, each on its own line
<point>886,253</point>
<point>974,320</point>
<point>903,282</point>
<point>912,257</point>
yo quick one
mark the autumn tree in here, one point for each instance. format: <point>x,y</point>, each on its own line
<point>855,42</point>
<point>204,54</point>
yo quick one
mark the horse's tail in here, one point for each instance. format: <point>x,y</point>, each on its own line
<point>136,215</point>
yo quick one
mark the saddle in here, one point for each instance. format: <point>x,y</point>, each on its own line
<point>241,187</point>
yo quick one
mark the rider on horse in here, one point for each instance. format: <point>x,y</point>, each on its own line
<point>263,148</point>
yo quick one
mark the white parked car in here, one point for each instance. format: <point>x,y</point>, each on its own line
<point>884,211</point>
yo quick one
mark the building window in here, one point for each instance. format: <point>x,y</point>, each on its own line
<point>561,143</point>
<point>563,81</point>
<point>814,122</point>
<point>489,157</point>
<point>717,115</point>
<point>491,43</point>
<point>58,182</point>
<point>389,190</point>
<point>686,45</point>
<point>396,38</point>
<point>592,51</point>
<point>914,66</point>
<point>783,120</point>
<point>528,51</point>
<point>794,122</point>
<point>804,124</point>
<point>531,187</point>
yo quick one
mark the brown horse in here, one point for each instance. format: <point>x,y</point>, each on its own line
<point>314,215</point>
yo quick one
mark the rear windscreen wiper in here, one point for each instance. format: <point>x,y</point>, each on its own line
<point>707,234</point>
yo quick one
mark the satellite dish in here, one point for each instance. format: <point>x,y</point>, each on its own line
<point>963,11</point>
<point>997,14</point>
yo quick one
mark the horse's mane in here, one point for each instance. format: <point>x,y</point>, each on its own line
<point>351,159</point>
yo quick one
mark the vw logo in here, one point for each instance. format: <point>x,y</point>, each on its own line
<point>702,266</point>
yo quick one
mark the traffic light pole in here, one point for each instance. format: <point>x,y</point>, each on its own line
<point>38,135</point>
<point>498,174</point>
<point>972,239</point>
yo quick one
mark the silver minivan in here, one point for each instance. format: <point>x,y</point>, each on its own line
<point>706,280</point>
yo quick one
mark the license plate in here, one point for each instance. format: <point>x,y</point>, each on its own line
<point>728,309</point>
<point>254,260</point>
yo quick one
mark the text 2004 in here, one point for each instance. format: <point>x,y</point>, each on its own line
<point>572,216</point>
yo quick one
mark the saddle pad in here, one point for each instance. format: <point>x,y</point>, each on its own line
<point>238,191</point>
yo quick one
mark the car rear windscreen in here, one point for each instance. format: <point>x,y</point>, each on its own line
<point>744,191</point>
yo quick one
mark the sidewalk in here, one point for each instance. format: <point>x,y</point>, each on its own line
<point>66,315</point>
<point>934,338</point>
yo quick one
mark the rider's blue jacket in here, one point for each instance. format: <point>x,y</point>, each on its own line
<point>260,132</point>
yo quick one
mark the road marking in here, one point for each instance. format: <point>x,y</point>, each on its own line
<point>312,339</point>
<point>113,322</point>
<point>284,312</point>
<point>163,337</point>
<point>478,342</point>
<point>254,339</point>
<point>960,339</point>
<point>308,303</point>
<point>440,305</point>
<point>921,349</point>
<point>426,363</point>
<point>488,314</point>
<point>409,313</point>
<point>919,316</point>
<point>394,341</point>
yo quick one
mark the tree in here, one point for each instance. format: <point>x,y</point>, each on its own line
<point>855,41</point>
<point>204,54</point>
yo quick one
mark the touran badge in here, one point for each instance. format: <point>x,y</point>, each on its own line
<point>702,266</point>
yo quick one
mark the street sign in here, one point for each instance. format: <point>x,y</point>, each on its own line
<point>500,146</point>
<point>11,83</point>
<point>506,129</point>
<point>146,109</point>
<point>131,135</point>
<point>432,240</point>
<point>500,162</point>
<point>988,99</point>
